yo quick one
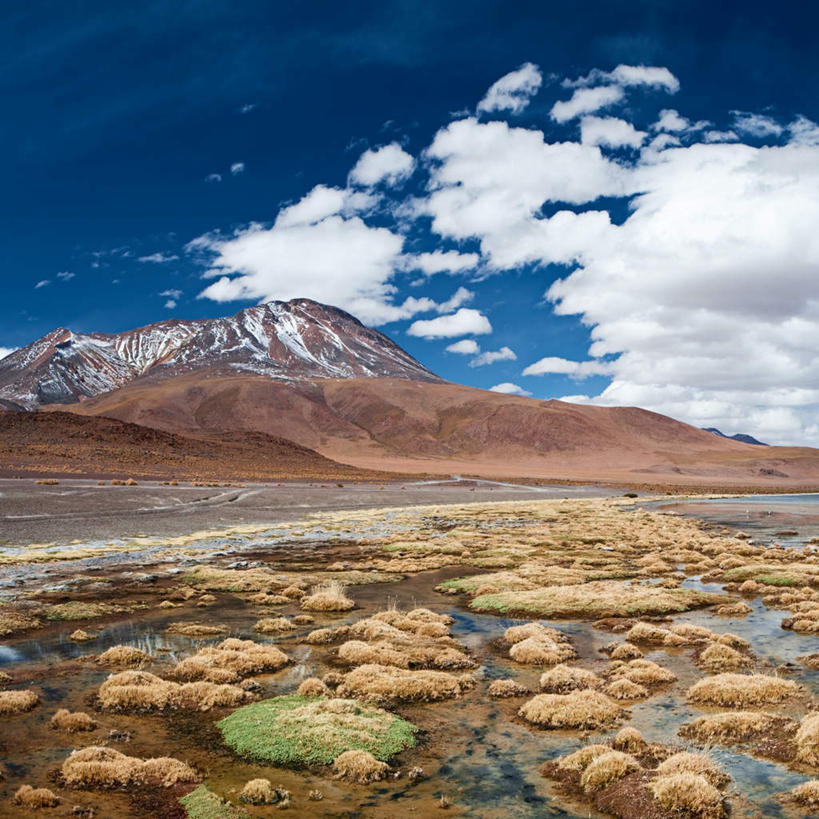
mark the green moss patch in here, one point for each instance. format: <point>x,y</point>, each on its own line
<point>297,731</point>
<point>205,804</point>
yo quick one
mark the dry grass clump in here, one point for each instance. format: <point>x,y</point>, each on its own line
<point>28,797</point>
<point>329,597</point>
<point>741,690</point>
<point>123,657</point>
<point>501,689</point>
<point>700,764</point>
<point>313,687</point>
<point>738,609</point>
<point>643,672</point>
<point>624,689</point>
<point>18,702</point>
<point>304,619</point>
<point>807,794</point>
<point>607,768</point>
<point>259,792</point>
<point>625,651</point>
<point>578,709</point>
<point>273,625</point>
<point>716,658</point>
<point>230,660</point>
<point>80,636</point>
<point>381,683</point>
<point>810,661</point>
<point>359,766</point>
<point>65,720</point>
<point>197,629</point>
<point>732,726</point>
<point>807,739</point>
<point>322,636</point>
<point>141,691</point>
<point>267,598</point>
<point>655,635</point>
<point>99,767</point>
<point>629,739</point>
<point>688,794</point>
<point>563,678</point>
<point>579,760</point>
<point>541,651</point>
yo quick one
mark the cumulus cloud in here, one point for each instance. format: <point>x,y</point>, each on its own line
<point>466,346</point>
<point>66,275</point>
<point>390,164</point>
<point>610,132</point>
<point>757,125</point>
<point>6,351</point>
<point>236,168</point>
<point>173,294</point>
<point>459,297</point>
<point>513,91</point>
<point>626,75</point>
<point>491,356</point>
<point>442,261</point>
<point>159,258</point>
<point>671,120</point>
<point>586,101</point>
<point>563,366</point>
<point>720,136</point>
<point>507,388</point>
<point>464,322</point>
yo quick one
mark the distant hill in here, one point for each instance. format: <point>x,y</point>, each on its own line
<point>740,436</point>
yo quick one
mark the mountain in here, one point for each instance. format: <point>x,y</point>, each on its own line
<point>740,436</point>
<point>316,377</point>
<point>285,341</point>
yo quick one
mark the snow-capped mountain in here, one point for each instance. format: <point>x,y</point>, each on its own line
<point>288,341</point>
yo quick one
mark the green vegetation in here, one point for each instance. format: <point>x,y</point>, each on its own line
<point>295,731</point>
<point>205,804</point>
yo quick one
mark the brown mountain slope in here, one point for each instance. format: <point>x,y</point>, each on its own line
<point>403,425</point>
<point>62,443</point>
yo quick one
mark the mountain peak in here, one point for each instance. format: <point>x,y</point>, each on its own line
<point>294,340</point>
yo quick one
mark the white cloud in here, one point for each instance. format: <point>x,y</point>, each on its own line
<point>236,168</point>
<point>756,125</point>
<point>247,107</point>
<point>804,131</point>
<point>574,369</point>
<point>671,120</point>
<point>159,258</point>
<point>466,346</point>
<point>459,297</point>
<point>442,261</point>
<point>6,351</point>
<point>663,141</point>
<point>172,294</point>
<point>213,177</point>
<point>170,304</point>
<point>491,356</point>
<point>720,136</point>
<point>507,388</point>
<point>462,323</point>
<point>628,75</point>
<point>513,91</point>
<point>66,275</point>
<point>610,131</point>
<point>390,164</point>
<point>586,101</point>
<point>42,283</point>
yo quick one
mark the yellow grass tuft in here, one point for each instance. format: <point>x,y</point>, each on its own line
<point>123,657</point>
<point>629,739</point>
<point>807,739</point>
<point>273,625</point>
<point>807,794</point>
<point>329,597</point>
<point>717,658</point>
<point>313,687</point>
<point>626,651</point>
<point>387,684</point>
<point>541,651</point>
<point>607,768</point>
<point>197,629</point>
<point>731,727</point>
<point>624,689</point>
<point>230,660</point>
<point>99,767</point>
<point>563,678</point>
<point>28,797</point>
<point>501,689</point>
<point>579,760</point>
<point>359,766</point>
<point>688,793</point>
<point>64,720</point>
<point>644,672</point>
<point>259,792</point>
<point>80,636</point>
<point>700,764</point>
<point>741,690</point>
<point>18,702</point>
<point>578,709</point>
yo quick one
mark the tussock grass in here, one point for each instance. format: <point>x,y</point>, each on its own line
<point>643,672</point>
<point>329,597</point>
<point>501,689</point>
<point>72,723</point>
<point>384,684</point>
<point>359,766</point>
<point>260,792</point>
<point>594,600</point>
<point>273,625</point>
<point>807,794</point>
<point>624,689</point>
<point>205,804</point>
<point>629,739</point>
<point>564,678</point>
<point>732,727</point>
<point>541,651</point>
<point>18,702</point>
<point>313,687</point>
<point>231,660</point>
<point>123,657</point>
<point>716,658</point>
<point>625,651</point>
<point>579,760</point>
<point>578,709</point>
<point>197,629</point>
<point>688,794</point>
<point>322,636</point>
<point>27,797</point>
<point>79,610</point>
<point>807,739</point>
<point>141,691</point>
<point>741,690</point>
<point>655,635</point>
<point>607,768</point>
<point>700,764</point>
<point>99,767</point>
<point>80,636</point>
<point>295,731</point>
<point>810,661</point>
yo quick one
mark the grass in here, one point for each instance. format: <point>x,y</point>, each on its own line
<point>78,610</point>
<point>807,739</point>
<point>205,804</point>
<point>72,723</point>
<point>28,797</point>
<point>230,660</point>
<point>732,727</point>
<point>197,629</point>
<point>100,767</point>
<point>741,690</point>
<point>807,794</point>
<point>700,764</point>
<point>329,597</point>
<point>607,768</point>
<point>123,657</point>
<point>360,767</point>
<point>688,794</point>
<point>563,678</point>
<point>603,598</point>
<point>501,689</point>
<point>717,658</point>
<point>298,731</point>
<point>578,709</point>
<point>18,702</point>
<point>385,684</point>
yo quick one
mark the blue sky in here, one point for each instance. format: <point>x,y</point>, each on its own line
<point>151,149</point>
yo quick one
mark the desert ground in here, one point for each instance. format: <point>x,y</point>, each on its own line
<point>453,648</point>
